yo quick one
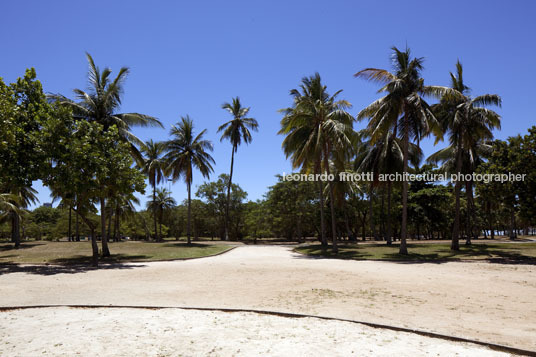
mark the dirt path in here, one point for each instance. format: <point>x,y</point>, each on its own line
<point>483,301</point>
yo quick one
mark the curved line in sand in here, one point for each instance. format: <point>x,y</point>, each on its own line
<point>490,345</point>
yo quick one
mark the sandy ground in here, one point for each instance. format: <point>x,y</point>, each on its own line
<point>483,301</point>
<point>64,331</point>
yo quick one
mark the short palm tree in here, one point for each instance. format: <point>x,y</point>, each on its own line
<point>161,203</point>
<point>403,106</point>
<point>235,130</point>
<point>184,152</point>
<point>15,202</point>
<point>317,128</point>
<point>469,125</point>
<point>153,166</point>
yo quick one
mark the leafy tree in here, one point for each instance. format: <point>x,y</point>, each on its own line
<point>214,194</point>
<point>236,131</point>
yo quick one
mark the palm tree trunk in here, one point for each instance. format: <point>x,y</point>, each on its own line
<point>403,228</point>
<point>389,226</point>
<point>69,238</point>
<point>470,209</point>
<point>189,213</point>
<point>105,250</point>
<point>227,223</point>
<point>77,227</point>
<point>109,234</point>
<point>512,225</point>
<point>455,244</point>
<point>332,205</point>
<point>373,231</point>
<point>154,208</point>
<point>323,239</point>
<point>15,230</point>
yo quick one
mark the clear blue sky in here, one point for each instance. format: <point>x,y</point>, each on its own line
<point>188,57</point>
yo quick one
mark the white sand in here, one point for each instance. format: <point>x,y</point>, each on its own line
<point>63,331</point>
<point>483,301</point>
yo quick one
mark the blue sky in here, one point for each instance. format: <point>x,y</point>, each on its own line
<point>188,57</point>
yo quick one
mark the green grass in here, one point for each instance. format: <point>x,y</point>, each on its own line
<point>80,252</point>
<point>497,252</point>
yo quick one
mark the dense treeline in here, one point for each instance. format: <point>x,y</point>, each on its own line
<point>86,153</point>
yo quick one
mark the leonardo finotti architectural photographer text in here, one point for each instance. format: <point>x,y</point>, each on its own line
<point>406,176</point>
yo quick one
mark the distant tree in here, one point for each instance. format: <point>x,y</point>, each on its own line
<point>154,166</point>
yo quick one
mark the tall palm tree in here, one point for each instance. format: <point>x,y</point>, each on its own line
<point>184,152</point>
<point>402,106</point>
<point>100,104</point>
<point>235,130</point>
<point>153,166</point>
<point>317,127</point>
<point>469,125</point>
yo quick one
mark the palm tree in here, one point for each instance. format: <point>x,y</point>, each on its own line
<point>402,106</point>
<point>153,166</point>
<point>236,130</point>
<point>184,152</point>
<point>469,125</point>
<point>317,127</point>
<point>15,202</point>
<point>100,104</point>
<point>161,203</point>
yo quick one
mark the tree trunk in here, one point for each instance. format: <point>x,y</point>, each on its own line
<point>69,237</point>
<point>227,223</point>
<point>389,225</point>
<point>188,234</point>
<point>15,230</point>
<point>155,208</point>
<point>77,228</point>
<point>104,239</point>
<point>332,207</point>
<point>373,232</point>
<point>403,228</point>
<point>455,244</point>
<point>322,220</point>
<point>512,224</point>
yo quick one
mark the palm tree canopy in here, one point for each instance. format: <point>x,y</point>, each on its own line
<point>405,92</point>
<point>316,118</point>
<point>153,164</point>
<point>163,200</point>
<point>239,128</point>
<point>102,101</point>
<point>468,122</point>
<point>186,151</point>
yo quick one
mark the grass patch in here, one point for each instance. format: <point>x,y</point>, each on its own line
<point>80,252</point>
<point>429,252</point>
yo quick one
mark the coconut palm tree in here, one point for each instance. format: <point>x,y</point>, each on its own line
<point>235,130</point>
<point>469,125</point>
<point>161,203</point>
<point>317,127</point>
<point>403,106</point>
<point>184,152</point>
<point>153,166</point>
<point>15,202</point>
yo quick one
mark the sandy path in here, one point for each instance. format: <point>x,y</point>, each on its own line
<point>489,302</point>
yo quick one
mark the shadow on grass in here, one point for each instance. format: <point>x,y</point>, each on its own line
<point>74,265</point>
<point>492,253</point>
<point>11,246</point>
<point>186,245</point>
